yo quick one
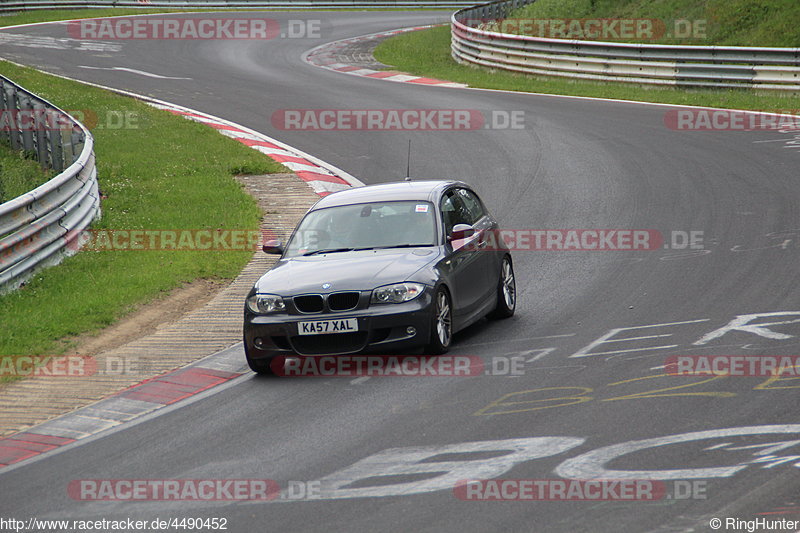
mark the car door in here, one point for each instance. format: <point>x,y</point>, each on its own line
<point>464,263</point>
<point>484,224</point>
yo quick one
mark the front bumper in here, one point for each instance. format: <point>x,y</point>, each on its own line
<point>381,327</point>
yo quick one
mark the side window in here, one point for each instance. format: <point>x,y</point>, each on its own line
<point>454,211</point>
<point>472,204</point>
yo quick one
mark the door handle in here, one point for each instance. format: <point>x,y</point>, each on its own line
<point>481,238</point>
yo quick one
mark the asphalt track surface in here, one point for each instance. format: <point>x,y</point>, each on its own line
<point>576,164</point>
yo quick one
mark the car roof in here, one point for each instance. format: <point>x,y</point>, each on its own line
<point>422,190</point>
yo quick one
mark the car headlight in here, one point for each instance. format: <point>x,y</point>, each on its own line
<point>262,304</point>
<point>397,293</point>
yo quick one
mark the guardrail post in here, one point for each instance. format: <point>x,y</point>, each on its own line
<point>42,146</point>
<point>5,122</point>
<point>56,153</point>
<point>66,146</point>
<point>77,142</point>
<point>13,110</point>
<point>28,122</point>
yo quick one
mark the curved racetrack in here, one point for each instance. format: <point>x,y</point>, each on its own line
<point>576,164</point>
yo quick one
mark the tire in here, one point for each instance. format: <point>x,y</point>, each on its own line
<point>262,366</point>
<point>441,323</point>
<point>506,292</point>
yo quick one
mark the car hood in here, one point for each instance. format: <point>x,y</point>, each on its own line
<point>345,271</point>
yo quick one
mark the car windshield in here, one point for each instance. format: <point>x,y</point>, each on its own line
<point>364,226</point>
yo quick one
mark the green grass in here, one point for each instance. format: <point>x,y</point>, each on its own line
<point>160,172</point>
<point>19,173</point>
<point>47,15</point>
<point>729,22</point>
<point>427,53</point>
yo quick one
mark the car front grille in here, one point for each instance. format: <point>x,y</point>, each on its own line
<point>343,301</point>
<point>311,303</point>
<point>326,344</point>
<point>338,301</point>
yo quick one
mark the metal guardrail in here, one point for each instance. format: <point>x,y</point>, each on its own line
<point>11,6</point>
<point>655,64</point>
<point>37,228</point>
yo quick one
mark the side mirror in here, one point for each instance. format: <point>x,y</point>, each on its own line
<point>273,246</point>
<point>461,231</point>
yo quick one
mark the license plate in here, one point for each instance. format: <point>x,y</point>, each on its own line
<point>318,327</point>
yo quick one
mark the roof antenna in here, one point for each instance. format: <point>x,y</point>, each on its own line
<point>408,162</point>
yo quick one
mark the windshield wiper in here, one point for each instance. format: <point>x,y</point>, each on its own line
<point>402,246</point>
<point>334,250</point>
<point>329,251</point>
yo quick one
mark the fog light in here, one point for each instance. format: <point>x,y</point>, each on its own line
<point>259,342</point>
<point>411,330</point>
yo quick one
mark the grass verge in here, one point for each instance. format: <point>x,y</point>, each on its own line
<point>47,15</point>
<point>19,173</point>
<point>714,22</point>
<point>157,171</point>
<point>427,53</point>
